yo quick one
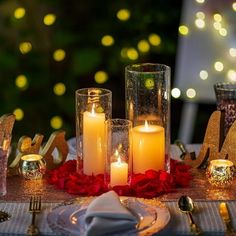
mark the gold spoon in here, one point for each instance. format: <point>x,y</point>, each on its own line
<point>186,205</point>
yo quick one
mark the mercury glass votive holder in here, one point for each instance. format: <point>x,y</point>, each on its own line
<point>226,102</point>
<point>32,166</point>
<point>220,173</point>
<point>147,88</point>
<point>93,108</point>
<point>118,168</point>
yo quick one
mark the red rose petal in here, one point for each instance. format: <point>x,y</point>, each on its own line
<point>151,184</point>
<point>151,174</point>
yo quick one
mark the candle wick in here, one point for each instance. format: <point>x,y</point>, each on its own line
<point>146,124</point>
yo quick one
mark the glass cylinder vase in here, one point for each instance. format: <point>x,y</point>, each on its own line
<point>147,88</point>
<point>93,108</point>
<point>119,152</point>
<point>226,102</point>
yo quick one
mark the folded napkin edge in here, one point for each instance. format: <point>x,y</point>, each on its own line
<point>121,216</point>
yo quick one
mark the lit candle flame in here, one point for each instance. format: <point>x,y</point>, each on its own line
<point>93,110</point>
<point>119,160</point>
<point>146,124</point>
<point>117,154</point>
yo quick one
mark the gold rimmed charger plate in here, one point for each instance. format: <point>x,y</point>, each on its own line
<point>67,218</point>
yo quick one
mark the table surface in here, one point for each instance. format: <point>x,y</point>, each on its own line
<point>19,189</point>
<point>206,197</point>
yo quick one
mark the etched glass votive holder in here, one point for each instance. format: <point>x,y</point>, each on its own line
<point>93,108</point>
<point>32,166</point>
<point>147,88</point>
<point>220,173</point>
<point>226,102</point>
<point>119,152</point>
<point>4,153</point>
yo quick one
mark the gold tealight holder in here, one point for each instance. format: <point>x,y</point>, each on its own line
<point>220,173</point>
<point>32,166</point>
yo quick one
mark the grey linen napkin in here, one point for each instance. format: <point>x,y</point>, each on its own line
<point>106,215</point>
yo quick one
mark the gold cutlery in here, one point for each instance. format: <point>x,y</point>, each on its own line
<point>186,205</point>
<point>34,208</point>
<point>225,216</point>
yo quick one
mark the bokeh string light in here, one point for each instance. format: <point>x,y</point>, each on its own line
<point>59,55</point>
<point>25,47</point>
<point>19,12</point>
<point>19,114</point>
<point>123,14</point>
<point>100,77</point>
<point>59,89</point>
<point>21,82</point>
<point>49,19</point>
<point>204,24</point>
<point>49,50</point>
<point>56,122</point>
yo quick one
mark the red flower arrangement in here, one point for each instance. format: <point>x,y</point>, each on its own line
<point>151,184</point>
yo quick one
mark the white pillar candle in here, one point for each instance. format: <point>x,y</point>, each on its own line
<point>93,141</point>
<point>119,171</point>
<point>148,148</point>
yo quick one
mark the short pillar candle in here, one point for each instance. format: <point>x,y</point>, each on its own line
<point>148,148</point>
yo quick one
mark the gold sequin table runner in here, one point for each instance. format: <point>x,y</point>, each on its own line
<point>19,190</point>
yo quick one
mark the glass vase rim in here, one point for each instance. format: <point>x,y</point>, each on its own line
<point>221,86</point>
<point>131,68</point>
<point>29,157</point>
<point>127,122</point>
<point>221,161</point>
<point>106,92</point>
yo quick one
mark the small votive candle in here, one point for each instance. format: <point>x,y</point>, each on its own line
<point>118,168</point>
<point>32,166</point>
<point>119,171</point>
<point>220,173</point>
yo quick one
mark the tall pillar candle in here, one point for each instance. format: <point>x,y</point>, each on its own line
<point>93,141</point>
<point>93,108</point>
<point>148,148</point>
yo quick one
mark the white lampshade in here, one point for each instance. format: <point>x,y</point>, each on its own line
<point>206,55</point>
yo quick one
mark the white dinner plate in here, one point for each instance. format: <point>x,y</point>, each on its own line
<point>68,218</point>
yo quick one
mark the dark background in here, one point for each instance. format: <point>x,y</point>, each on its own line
<point>78,30</point>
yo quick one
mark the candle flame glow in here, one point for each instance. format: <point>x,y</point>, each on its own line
<point>119,160</point>
<point>93,110</point>
<point>117,154</point>
<point>146,124</point>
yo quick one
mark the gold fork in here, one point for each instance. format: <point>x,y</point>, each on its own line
<point>34,208</point>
